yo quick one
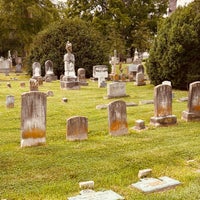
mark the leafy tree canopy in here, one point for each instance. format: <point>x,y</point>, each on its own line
<point>175,54</point>
<point>89,47</point>
<point>21,20</point>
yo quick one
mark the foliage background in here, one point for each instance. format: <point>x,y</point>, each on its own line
<point>88,46</point>
<point>174,54</point>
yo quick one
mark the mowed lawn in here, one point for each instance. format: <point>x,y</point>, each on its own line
<point>54,170</point>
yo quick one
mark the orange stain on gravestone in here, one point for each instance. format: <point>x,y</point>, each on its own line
<point>116,125</point>
<point>33,133</point>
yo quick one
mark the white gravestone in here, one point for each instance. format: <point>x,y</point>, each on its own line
<point>100,72</point>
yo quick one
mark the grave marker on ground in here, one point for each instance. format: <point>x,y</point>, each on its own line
<point>10,100</point>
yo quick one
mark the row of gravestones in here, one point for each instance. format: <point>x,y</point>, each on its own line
<point>33,115</point>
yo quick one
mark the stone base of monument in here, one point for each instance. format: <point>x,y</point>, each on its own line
<point>69,83</point>
<point>148,185</point>
<point>28,142</point>
<point>83,83</point>
<point>163,121</point>
<point>189,116</point>
<point>101,195</point>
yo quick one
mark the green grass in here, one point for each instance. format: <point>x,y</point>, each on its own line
<point>54,170</point>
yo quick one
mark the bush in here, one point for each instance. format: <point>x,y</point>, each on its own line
<point>88,47</point>
<point>175,54</point>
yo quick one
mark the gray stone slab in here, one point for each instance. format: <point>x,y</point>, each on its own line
<point>144,102</point>
<point>148,185</point>
<point>101,195</point>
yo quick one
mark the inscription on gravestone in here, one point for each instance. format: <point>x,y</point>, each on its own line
<point>33,119</point>
<point>117,118</point>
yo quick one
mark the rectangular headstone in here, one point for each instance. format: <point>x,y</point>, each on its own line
<point>33,118</point>
<point>193,112</point>
<point>163,106</point>
<point>116,89</point>
<point>77,128</point>
<point>10,100</point>
<point>148,185</point>
<point>117,118</point>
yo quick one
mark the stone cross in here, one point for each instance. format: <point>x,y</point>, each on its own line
<point>100,72</point>
<point>33,119</point>
<point>117,118</point>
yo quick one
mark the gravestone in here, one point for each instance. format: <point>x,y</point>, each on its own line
<point>193,112</point>
<point>77,128</point>
<point>33,84</point>
<point>18,67</point>
<point>140,81</point>
<point>33,119</point>
<point>36,67</point>
<point>100,72</point>
<point>22,84</point>
<point>4,66</point>
<point>81,77</point>
<point>100,195</point>
<point>117,118</point>
<point>69,80</point>
<point>10,100</point>
<point>148,185</point>
<point>163,106</point>
<point>49,74</point>
<point>116,90</point>
<point>139,125</point>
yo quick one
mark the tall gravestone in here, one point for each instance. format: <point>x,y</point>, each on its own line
<point>140,81</point>
<point>77,128</point>
<point>117,118</point>
<point>69,80</point>
<point>33,119</point>
<point>163,106</point>
<point>193,112</point>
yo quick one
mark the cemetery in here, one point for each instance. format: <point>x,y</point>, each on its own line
<point>100,102</point>
<point>73,142</point>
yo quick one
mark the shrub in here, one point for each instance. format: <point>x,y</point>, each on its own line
<point>175,54</point>
<point>88,47</point>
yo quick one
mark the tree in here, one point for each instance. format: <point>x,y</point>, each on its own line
<point>128,22</point>
<point>88,46</point>
<point>175,54</point>
<point>21,20</point>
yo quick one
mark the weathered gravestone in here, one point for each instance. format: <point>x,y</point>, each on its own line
<point>100,195</point>
<point>193,112</point>
<point>77,128</point>
<point>33,119</point>
<point>117,118</point>
<point>100,72</point>
<point>36,67</point>
<point>10,100</point>
<point>140,81</point>
<point>163,106</point>
<point>116,90</point>
<point>148,185</point>
<point>69,80</point>
<point>49,74</point>
<point>81,77</point>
